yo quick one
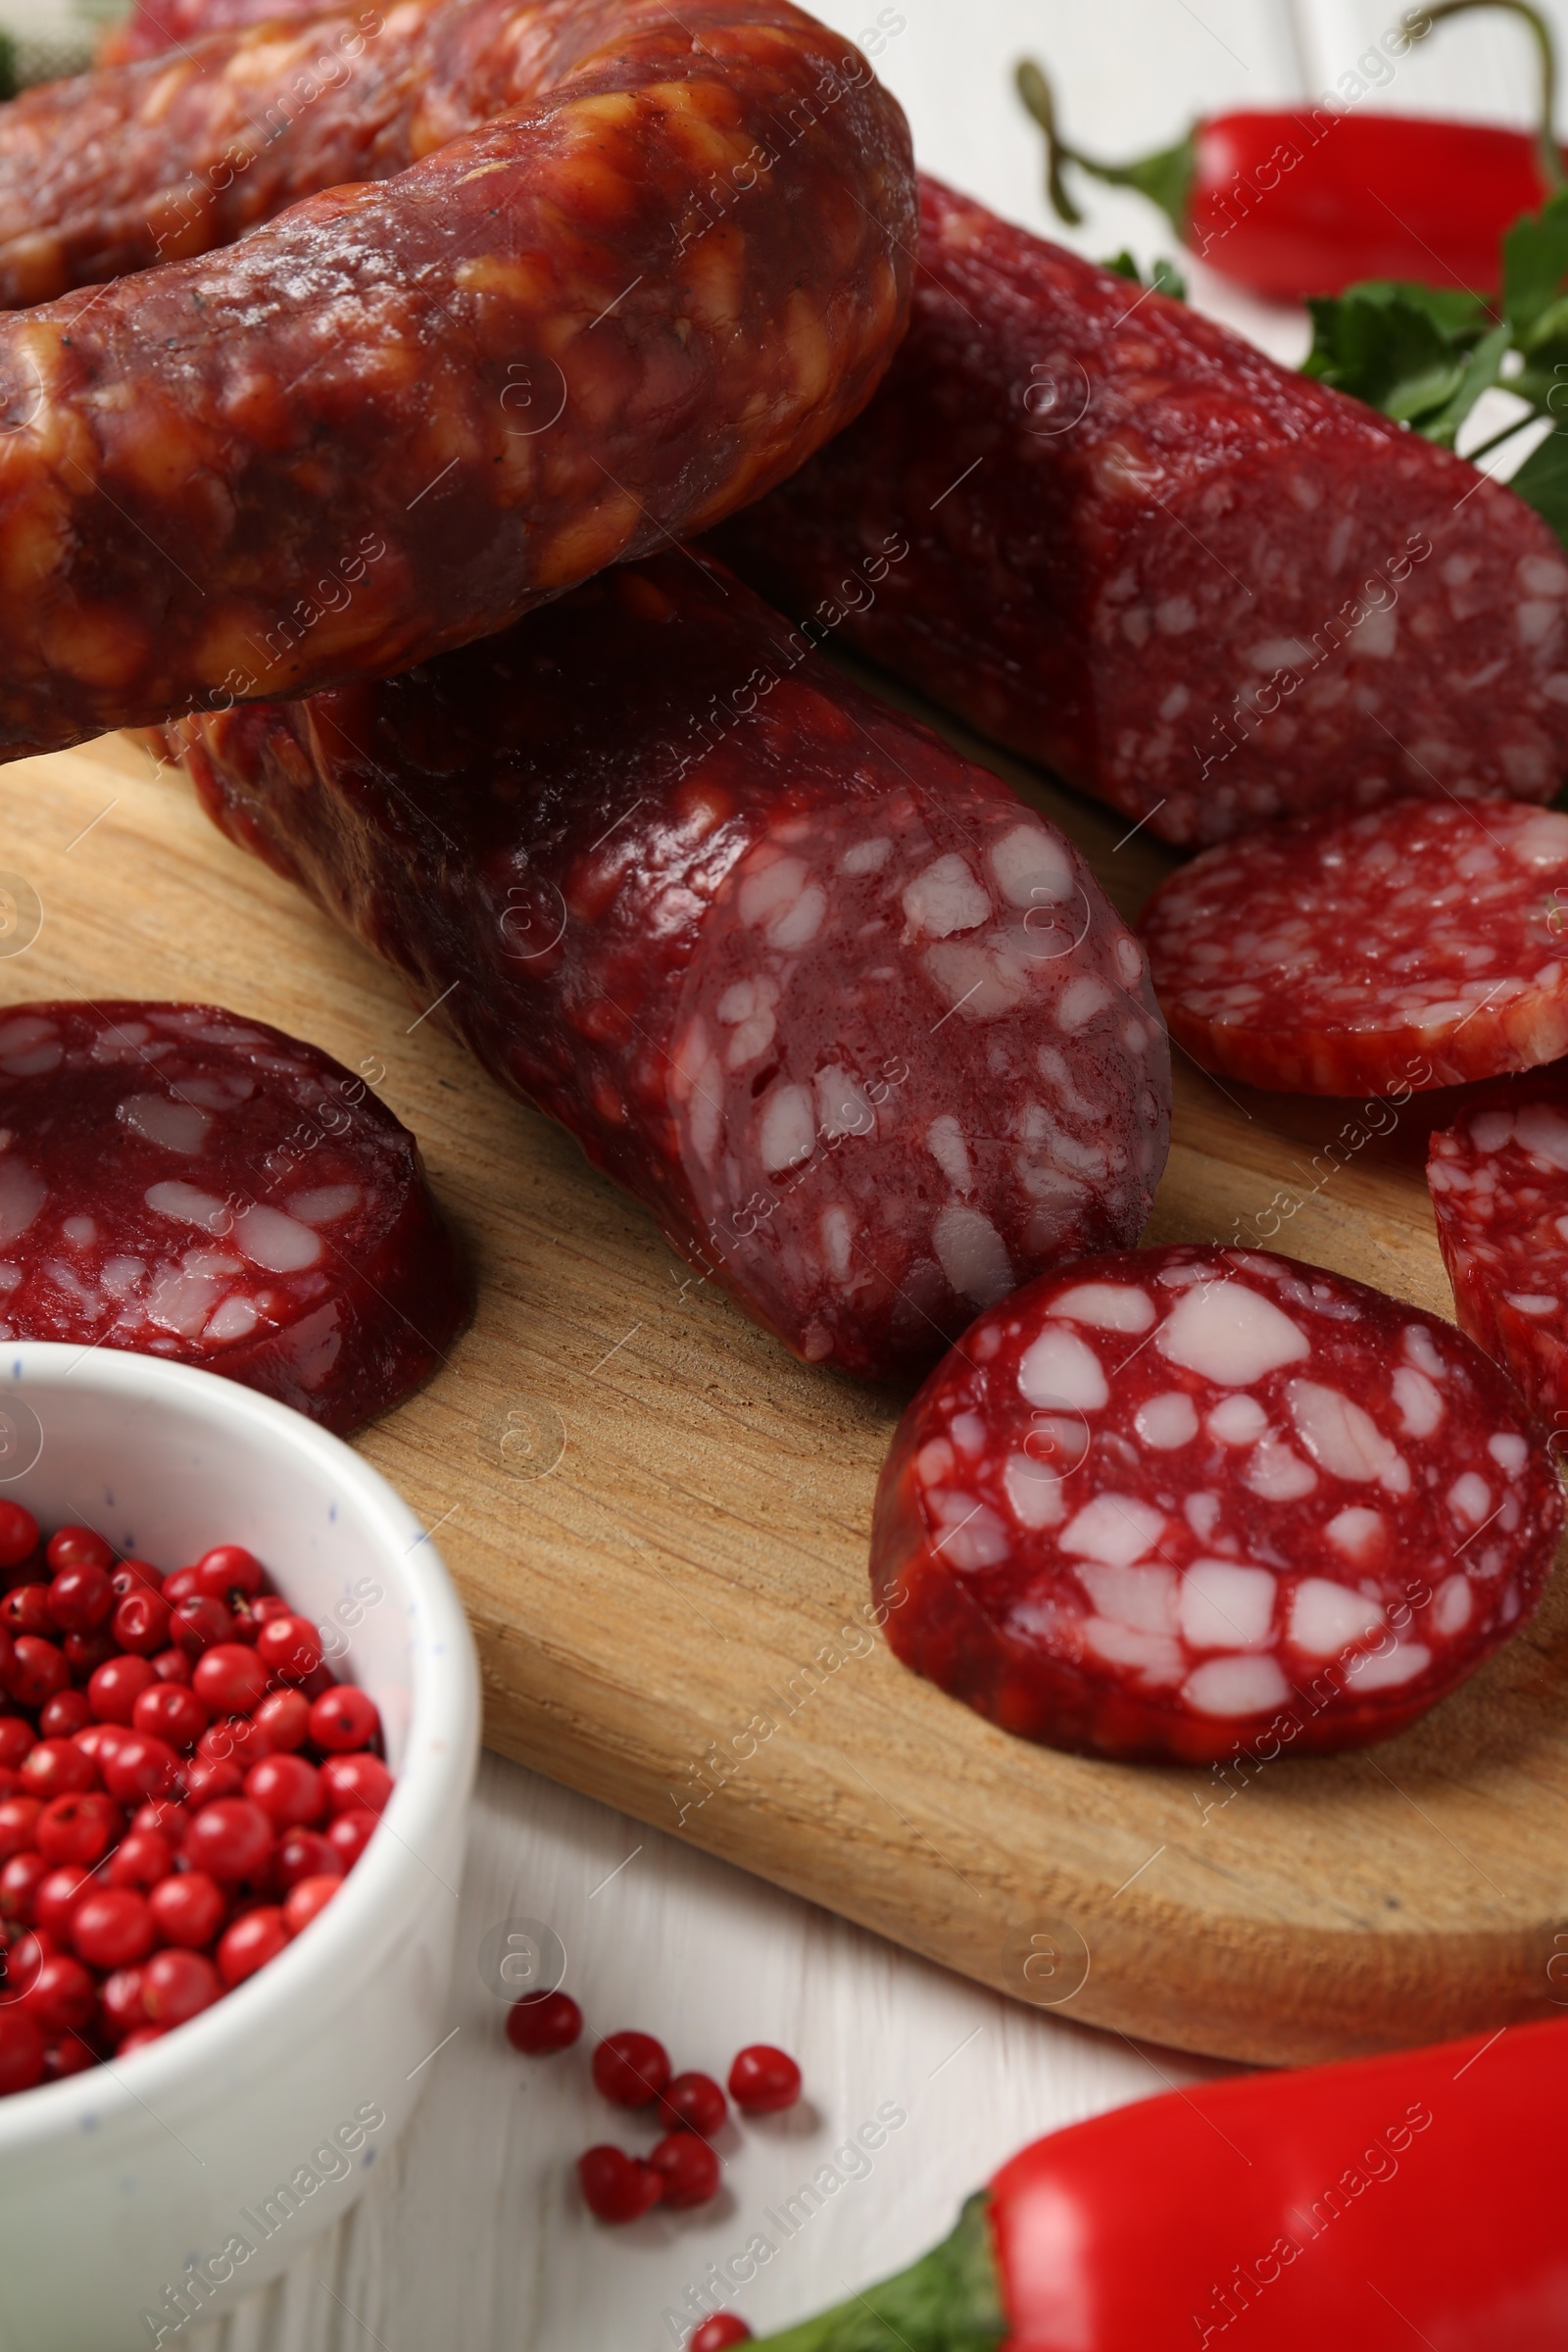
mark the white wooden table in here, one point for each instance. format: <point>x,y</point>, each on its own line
<point>473,2236</point>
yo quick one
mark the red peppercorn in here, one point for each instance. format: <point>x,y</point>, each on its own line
<point>229,1678</point>
<point>65,1715</point>
<point>139,2037</point>
<point>231,1837</point>
<point>18,1534</point>
<point>58,1767</point>
<point>205,1778</point>
<point>304,1854</point>
<point>71,2055</point>
<point>285,1717</point>
<point>117,1685</point>
<point>288,1791</point>
<point>80,1597</point>
<point>21,2050</point>
<point>188,1908</point>
<point>87,1652</point>
<point>172,1666</point>
<point>197,1623</point>
<point>113,1928</point>
<point>252,1939</point>
<point>169,1711</point>
<point>26,1609</point>
<point>688,2168</point>
<point>136,1576</point>
<point>268,1605</point>
<point>542,2022</point>
<point>16,1737</point>
<point>693,2103</point>
<point>35,1672</point>
<point>630,2069</point>
<point>349,1833</point>
<point>120,2003</point>
<point>305,1900</point>
<point>60,1890</point>
<point>290,1646</point>
<point>228,1568</point>
<point>21,1961</point>
<point>164,1814</point>
<point>140,1623</point>
<point>63,1996</point>
<point>344,1718</point>
<point>12,1783</point>
<point>719,2333</point>
<point>75,1548</point>
<point>615,2186</point>
<point>355,1781</point>
<point>19,1825</point>
<point>98,1739</point>
<point>177,1986</point>
<point>178,1587</point>
<point>19,1881</point>
<point>80,1828</point>
<point>140,1859</point>
<point>764,2080</point>
<point>140,1765</point>
<point>234,1740</point>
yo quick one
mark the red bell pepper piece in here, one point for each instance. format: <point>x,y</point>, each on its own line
<point>1410,2199</point>
<point>1307,200</point>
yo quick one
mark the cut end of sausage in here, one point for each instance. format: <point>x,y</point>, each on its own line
<point>1417,945</point>
<point>1197,1504</point>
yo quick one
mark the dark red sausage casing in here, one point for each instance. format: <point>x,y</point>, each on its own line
<point>1191,1503</point>
<point>857,1024</point>
<point>180,1181</point>
<point>1190,581</point>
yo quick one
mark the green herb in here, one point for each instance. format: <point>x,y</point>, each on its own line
<point>1162,278</point>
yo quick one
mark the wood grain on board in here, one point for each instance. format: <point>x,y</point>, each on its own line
<point>658,1521</point>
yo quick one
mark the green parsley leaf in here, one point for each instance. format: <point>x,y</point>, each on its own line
<point>1534,262</point>
<point>1423,355</point>
<point>1162,278</point>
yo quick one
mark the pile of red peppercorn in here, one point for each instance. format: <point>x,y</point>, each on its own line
<point>183,1784</point>
<point>632,2070</point>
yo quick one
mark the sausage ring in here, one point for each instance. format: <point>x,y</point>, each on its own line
<point>522,288</point>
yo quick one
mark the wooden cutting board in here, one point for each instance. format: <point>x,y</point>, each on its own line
<point>659,1520</point>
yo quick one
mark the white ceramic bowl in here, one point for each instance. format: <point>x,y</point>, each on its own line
<point>177,2180</point>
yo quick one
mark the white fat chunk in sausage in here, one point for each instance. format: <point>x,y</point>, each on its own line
<point>188,1205</point>
<point>1343,1439</point>
<point>838,1235</point>
<point>1422,1350</point>
<point>1230,1334</point>
<point>1453,1605</point>
<point>23,1192</point>
<point>181,1301</point>
<point>944,1140</point>
<point>1238,1420</point>
<point>943,898</point>
<point>1107,1305</point>
<point>1114,1529</point>
<point>1080,1000</point>
<point>161,1119</point>
<point>1237,1686</point>
<point>1539,1130</point>
<point>1157,1658</point>
<point>770,887</point>
<point>80,1231</point>
<point>276,1243</point>
<point>975,1537</point>
<point>747,1008</point>
<point>1031,868</point>
<point>1510,1452</point>
<point>1357,1533</point>
<point>1142,1597</point>
<point>1387,1669</point>
<point>217,1093</point>
<point>972,1253</point>
<point>968,1434</point>
<point>1543,840</point>
<point>1326,1618</point>
<point>325,1203</point>
<point>1166,1422</point>
<point>1224,1605</point>
<point>235,1319</point>
<point>1034,1493</point>
<point>842,1106</point>
<point>786,1133</point>
<point>1419,1403</point>
<point>867,857</point>
<point>37,1064</point>
<point>1470,1500</point>
<point>798,924</point>
<point>976,982</point>
<point>28,1029</point>
<point>1059,1368</point>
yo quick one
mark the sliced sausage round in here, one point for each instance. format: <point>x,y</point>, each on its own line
<point>1417,945</point>
<point>1498,1179</point>
<point>185,1183</point>
<point>1196,1503</point>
